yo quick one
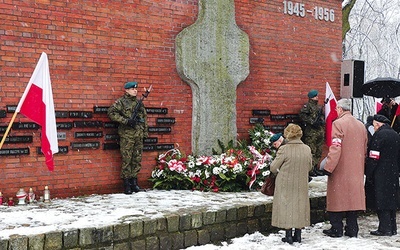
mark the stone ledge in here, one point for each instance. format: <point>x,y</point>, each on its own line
<point>171,232</point>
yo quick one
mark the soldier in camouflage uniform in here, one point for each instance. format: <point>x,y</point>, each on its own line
<point>131,133</point>
<point>313,129</point>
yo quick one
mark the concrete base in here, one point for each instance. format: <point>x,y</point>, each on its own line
<point>174,231</point>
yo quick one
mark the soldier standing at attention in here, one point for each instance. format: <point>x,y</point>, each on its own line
<point>314,129</point>
<point>131,132</point>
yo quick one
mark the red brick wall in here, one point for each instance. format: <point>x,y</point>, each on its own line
<point>94,47</point>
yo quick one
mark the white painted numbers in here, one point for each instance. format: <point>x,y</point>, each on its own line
<point>299,9</point>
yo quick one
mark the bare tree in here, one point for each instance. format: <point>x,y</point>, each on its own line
<point>374,37</point>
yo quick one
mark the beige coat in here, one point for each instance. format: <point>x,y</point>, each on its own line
<point>291,205</point>
<point>346,156</point>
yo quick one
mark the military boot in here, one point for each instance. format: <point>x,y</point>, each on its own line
<point>127,187</point>
<point>134,185</point>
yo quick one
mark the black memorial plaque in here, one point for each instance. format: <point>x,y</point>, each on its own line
<point>111,137</point>
<point>11,108</point>
<point>162,111</point>
<point>61,136</point>
<point>157,147</point>
<point>166,120</point>
<point>100,110</point>
<point>80,114</point>
<point>111,125</point>
<point>277,117</point>
<point>110,146</point>
<point>3,129</point>
<point>277,128</point>
<point>150,140</point>
<point>292,116</point>
<point>3,113</point>
<point>61,150</point>
<point>25,125</point>
<point>261,112</point>
<point>61,114</point>
<point>88,124</point>
<point>19,139</point>
<point>64,125</point>
<point>254,120</point>
<point>89,134</point>
<point>267,127</point>
<point>159,130</point>
<point>82,145</point>
<point>14,151</point>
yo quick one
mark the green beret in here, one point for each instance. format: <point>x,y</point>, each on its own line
<point>313,93</point>
<point>129,85</point>
<point>275,137</point>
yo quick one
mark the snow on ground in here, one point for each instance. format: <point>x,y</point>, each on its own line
<point>104,210</point>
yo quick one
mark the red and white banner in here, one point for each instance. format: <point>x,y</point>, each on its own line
<point>37,104</point>
<point>330,113</point>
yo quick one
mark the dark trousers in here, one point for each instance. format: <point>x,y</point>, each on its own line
<point>387,221</point>
<point>336,219</point>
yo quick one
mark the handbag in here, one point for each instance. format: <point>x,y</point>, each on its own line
<point>268,187</point>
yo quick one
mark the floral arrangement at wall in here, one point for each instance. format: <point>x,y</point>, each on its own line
<point>238,168</point>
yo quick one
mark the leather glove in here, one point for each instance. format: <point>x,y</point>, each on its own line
<point>131,122</point>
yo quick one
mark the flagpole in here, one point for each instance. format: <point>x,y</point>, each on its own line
<point>8,129</point>
<point>394,118</point>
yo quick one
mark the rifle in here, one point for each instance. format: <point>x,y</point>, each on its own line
<point>135,114</point>
<point>320,120</point>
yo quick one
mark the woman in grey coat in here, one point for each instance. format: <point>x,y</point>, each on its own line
<point>291,205</point>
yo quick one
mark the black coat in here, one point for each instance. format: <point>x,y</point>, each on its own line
<point>382,175</point>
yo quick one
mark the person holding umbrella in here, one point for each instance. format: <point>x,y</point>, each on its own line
<point>390,110</point>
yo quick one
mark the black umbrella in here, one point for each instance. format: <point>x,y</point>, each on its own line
<point>382,87</point>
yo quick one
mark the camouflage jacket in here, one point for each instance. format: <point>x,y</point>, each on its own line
<point>312,115</point>
<point>121,111</point>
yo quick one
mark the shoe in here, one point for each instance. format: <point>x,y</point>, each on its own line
<point>127,187</point>
<point>379,233</point>
<point>297,235</point>
<point>332,233</point>
<point>288,238</point>
<point>350,235</point>
<point>134,185</point>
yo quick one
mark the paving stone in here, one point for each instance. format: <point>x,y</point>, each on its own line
<point>190,238</point>
<point>136,228</point>
<point>53,241</point>
<point>35,242</point>
<point>121,232</point>
<point>71,238</point>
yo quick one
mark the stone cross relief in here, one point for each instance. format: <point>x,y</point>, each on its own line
<point>212,56</point>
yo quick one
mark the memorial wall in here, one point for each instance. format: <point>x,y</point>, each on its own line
<point>94,47</point>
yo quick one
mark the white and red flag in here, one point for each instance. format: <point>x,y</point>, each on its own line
<point>330,113</point>
<point>378,105</point>
<point>37,104</point>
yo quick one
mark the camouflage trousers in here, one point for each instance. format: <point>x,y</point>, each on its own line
<point>131,148</point>
<point>315,140</point>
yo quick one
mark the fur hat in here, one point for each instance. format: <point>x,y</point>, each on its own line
<point>313,93</point>
<point>381,118</point>
<point>293,131</point>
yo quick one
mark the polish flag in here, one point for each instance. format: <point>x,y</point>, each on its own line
<point>330,113</point>
<point>378,105</point>
<point>37,104</point>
